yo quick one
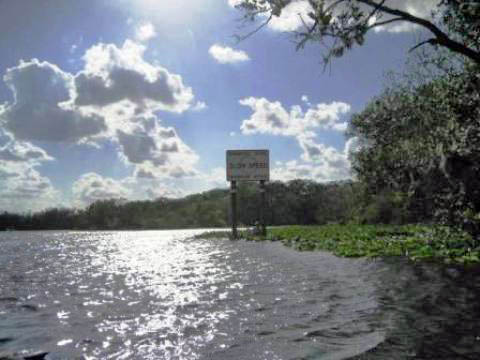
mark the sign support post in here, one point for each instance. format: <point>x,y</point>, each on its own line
<point>248,165</point>
<point>262,208</point>
<point>233,206</point>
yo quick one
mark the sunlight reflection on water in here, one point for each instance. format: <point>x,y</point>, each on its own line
<point>177,276</point>
<point>164,295</point>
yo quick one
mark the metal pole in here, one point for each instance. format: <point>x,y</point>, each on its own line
<point>262,208</point>
<point>233,205</point>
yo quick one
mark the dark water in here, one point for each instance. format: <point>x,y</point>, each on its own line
<point>163,295</point>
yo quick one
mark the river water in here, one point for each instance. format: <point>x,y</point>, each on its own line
<point>165,295</point>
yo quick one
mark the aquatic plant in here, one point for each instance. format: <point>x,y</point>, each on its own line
<point>417,242</point>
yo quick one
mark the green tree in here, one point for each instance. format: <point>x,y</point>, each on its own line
<point>425,144</point>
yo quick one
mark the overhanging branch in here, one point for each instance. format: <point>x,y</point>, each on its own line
<point>441,38</point>
<point>240,38</point>
<point>432,41</point>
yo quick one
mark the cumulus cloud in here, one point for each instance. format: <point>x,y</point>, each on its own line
<point>272,118</point>
<point>155,151</point>
<point>39,110</point>
<point>115,74</point>
<point>318,161</point>
<point>145,32</point>
<point>19,151</point>
<point>91,187</point>
<point>115,98</point>
<point>127,91</point>
<point>153,193</point>
<point>227,55</point>
<point>22,188</point>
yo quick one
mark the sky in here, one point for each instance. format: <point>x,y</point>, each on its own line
<point>140,99</point>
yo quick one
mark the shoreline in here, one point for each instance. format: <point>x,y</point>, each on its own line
<point>415,242</point>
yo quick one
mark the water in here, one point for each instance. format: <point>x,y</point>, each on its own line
<point>164,295</point>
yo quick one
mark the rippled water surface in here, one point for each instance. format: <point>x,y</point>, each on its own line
<point>164,295</point>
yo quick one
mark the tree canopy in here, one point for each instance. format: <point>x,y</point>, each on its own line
<point>341,24</point>
<point>423,143</point>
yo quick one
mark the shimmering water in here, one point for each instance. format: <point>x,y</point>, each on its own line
<point>164,295</point>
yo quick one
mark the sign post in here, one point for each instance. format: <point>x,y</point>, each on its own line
<point>233,201</point>
<point>262,208</point>
<point>247,165</point>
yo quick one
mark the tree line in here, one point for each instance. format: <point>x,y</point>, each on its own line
<point>294,202</point>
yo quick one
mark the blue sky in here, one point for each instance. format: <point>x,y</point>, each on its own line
<point>140,99</point>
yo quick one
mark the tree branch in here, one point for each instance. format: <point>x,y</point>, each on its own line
<point>441,37</point>
<point>375,9</point>
<point>240,38</point>
<point>432,41</point>
<point>385,22</point>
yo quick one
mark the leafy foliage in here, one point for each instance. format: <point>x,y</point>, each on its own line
<point>341,24</point>
<point>424,143</point>
<point>413,241</point>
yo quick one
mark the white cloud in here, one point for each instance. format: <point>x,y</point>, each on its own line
<point>113,99</point>
<point>145,32</point>
<point>115,74</point>
<point>22,188</point>
<point>216,178</point>
<point>227,55</point>
<point>91,187</point>
<point>234,3</point>
<point>292,17</point>
<point>272,118</point>
<point>155,151</point>
<point>160,191</point>
<point>126,90</point>
<point>151,188</point>
<point>422,9</point>
<point>23,152</point>
<point>20,151</point>
<point>318,161</point>
<point>40,110</point>
<point>199,106</point>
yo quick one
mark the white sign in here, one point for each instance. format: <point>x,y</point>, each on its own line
<point>248,165</point>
